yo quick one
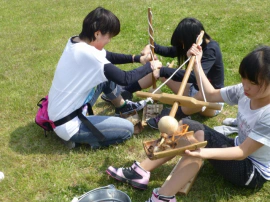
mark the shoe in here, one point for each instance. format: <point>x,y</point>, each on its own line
<point>134,175</point>
<point>156,197</point>
<point>104,97</point>
<point>130,107</point>
<point>126,95</point>
<point>153,122</point>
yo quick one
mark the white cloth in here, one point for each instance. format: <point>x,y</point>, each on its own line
<point>254,124</point>
<point>79,70</point>
<point>226,130</point>
<point>230,122</point>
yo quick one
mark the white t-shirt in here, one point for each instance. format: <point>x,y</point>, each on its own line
<point>79,70</point>
<point>254,124</point>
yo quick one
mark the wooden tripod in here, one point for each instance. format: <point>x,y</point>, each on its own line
<point>177,100</point>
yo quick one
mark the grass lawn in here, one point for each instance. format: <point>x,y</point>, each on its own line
<point>32,37</point>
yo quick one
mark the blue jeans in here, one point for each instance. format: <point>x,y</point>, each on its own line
<point>115,129</point>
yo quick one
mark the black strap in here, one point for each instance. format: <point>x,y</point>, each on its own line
<point>67,118</point>
<point>91,127</point>
<point>84,120</point>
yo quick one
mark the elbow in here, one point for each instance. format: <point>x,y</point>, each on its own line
<point>242,156</point>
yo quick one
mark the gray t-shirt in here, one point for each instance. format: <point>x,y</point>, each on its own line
<point>254,124</point>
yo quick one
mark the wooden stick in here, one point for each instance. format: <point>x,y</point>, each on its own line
<point>174,109</point>
<point>150,28</point>
<point>185,79</point>
<point>185,101</point>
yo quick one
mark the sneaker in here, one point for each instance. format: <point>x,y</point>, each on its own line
<point>153,122</point>
<point>156,197</point>
<point>134,175</point>
<point>130,107</point>
<point>126,95</point>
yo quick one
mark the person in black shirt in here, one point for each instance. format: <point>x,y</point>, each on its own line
<point>182,39</point>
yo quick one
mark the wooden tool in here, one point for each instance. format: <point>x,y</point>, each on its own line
<point>151,39</point>
<point>188,140</point>
<point>176,100</point>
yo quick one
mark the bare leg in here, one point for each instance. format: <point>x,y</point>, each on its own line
<point>186,169</point>
<point>119,101</point>
<point>150,165</point>
<point>208,112</point>
<point>174,86</point>
<point>146,81</point>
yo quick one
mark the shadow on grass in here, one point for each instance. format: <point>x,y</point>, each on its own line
<point>31,139</point>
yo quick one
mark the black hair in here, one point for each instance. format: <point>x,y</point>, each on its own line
<point>185,35</point>
<point>256,66</point>
<point>101,20</point>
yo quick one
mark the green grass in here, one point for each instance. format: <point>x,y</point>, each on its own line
<point>33,35</point>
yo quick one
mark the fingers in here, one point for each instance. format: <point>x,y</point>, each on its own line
<point>146,50</point>
<point>156,64</point>
<point>156,73</point>
<point>195,50</point>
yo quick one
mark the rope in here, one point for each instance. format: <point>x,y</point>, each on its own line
<point>204,98</point>
<point>151,100</point>
<point>171,76</point>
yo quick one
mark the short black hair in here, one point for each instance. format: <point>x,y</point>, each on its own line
<point>256,66</point>
<point>101,20</point>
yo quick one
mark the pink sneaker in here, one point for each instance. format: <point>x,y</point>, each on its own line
<point>156,197</point>
<point>134,175</point>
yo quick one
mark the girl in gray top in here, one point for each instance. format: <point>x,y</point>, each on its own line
<point>243,160</point>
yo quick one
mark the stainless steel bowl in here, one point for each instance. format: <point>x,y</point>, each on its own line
<point>104,194</point>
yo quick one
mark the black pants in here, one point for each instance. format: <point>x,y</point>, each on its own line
<point>238,172</point>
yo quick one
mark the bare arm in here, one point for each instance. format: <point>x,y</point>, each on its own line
<point>230,153</point>
<point>211,94</point>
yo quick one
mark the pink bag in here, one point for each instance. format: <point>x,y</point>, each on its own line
<point>42,117</point>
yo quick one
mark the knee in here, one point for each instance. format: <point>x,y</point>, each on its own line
<point>129,130</point>
<point>199,135</point>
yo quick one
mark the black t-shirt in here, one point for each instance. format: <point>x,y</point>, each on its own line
<point>212,64</point>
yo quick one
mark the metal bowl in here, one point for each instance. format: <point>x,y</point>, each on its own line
<point>103,194</point>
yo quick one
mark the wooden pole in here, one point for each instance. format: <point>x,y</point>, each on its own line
<point>185,79</point>
<point>151,38</point>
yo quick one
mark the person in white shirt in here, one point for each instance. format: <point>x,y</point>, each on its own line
<point>84,71</point>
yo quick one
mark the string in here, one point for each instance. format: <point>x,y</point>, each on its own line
<point>204,98</point>
<point>176,70</point>
<point>151,100</point>
<point>171,76</point>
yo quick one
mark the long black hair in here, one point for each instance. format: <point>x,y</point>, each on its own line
<point>185,35</point>
<point>101,20</point>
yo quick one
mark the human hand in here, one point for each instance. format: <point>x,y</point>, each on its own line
<point>194,153</point>
<point>195,50</point>
<point>146,58</point>
<point>155,64</point>
<point>156,74</point>
<point>146,50</point>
